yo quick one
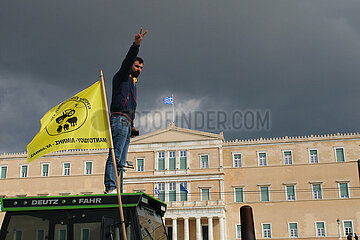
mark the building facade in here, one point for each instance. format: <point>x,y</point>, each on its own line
<point>298,187</point>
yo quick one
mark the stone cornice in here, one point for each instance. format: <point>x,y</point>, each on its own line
<point>217,137</point>
<point>294,139</point>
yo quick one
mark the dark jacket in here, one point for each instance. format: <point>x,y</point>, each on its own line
<point>124,90</point>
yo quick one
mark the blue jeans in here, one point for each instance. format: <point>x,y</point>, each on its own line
<point>121,132</point>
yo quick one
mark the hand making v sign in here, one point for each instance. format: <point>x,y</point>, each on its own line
<point>139,37</point>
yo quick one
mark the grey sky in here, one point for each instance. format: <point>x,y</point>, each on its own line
<point>298,60</point>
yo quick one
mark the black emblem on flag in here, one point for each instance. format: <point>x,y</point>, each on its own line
<point>69,116</point>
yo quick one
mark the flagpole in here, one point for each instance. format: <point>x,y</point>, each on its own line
<point>113,156</point>
<point>173,103</point>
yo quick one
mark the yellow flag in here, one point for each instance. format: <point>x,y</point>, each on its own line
<point>77,123</point>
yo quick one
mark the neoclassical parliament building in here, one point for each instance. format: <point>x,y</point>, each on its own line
<point>298,187</point>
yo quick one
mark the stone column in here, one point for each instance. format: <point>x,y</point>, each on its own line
<point>225,229</point>
<point>186,228</point>
<point>210,228</point>
<point>222,190</point>
<point>174,226</point>
<point>198,229</point>
<point>156,162</point>
<point>222,228</point>
<point>221,159</point>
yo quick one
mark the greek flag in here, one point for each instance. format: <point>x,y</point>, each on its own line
<point>168,100</point>
<point>157,192</point>
<point>182,188</point>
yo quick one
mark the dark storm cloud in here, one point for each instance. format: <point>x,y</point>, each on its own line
<point>296,59</point>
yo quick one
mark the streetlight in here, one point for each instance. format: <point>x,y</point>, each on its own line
<point>338,222</point>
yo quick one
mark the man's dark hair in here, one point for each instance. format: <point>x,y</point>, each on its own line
<point>139,59</point>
